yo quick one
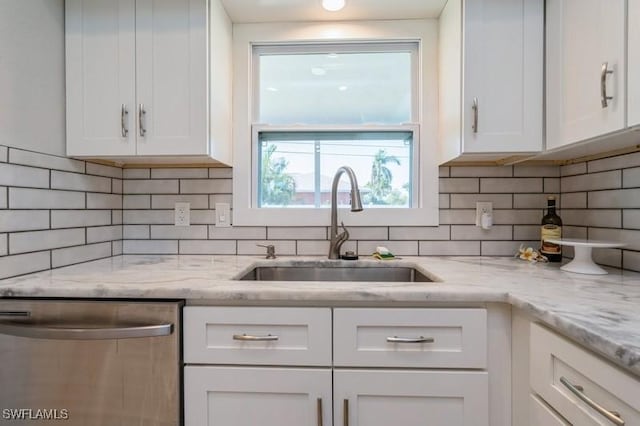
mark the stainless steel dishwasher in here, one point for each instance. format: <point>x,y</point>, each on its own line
<point>98,363</point>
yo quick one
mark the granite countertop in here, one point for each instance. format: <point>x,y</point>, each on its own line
<point>600,312</point>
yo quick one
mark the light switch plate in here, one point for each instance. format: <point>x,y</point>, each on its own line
<point>223,215</point>
<point>182,214</point>
<point>481,208</point>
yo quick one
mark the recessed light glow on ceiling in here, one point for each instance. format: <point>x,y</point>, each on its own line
<point>272,89</point>
<point>333,5</point>
<point>342,88</point>
<point>318,71</point>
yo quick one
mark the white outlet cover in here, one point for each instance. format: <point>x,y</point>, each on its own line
<point>223,215</point>
<point>483,207</point>
<point>182,214</point>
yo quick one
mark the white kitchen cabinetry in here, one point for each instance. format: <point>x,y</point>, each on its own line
<point>585,69</point>
<point>300,381</point>
<point>633,49</point>
<point>579,386</point>
<point>491,78</point>
<point>138,83</point>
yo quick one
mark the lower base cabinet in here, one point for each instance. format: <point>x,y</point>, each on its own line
<point>410,398</point>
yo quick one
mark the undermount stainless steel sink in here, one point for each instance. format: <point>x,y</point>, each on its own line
<point>335,273</point>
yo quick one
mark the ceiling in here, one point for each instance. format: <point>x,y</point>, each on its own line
<point>245,11</point>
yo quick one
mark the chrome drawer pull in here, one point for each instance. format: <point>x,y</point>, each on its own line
<point>249,338</point>
<point>124,113</point>
<point>396,339</point>
<point>15,314</point>
<point>578,391</point>
<point>142,113</point>
<point>603,84</point>
<point>60,332</point>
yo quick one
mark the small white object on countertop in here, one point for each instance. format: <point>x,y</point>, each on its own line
<point>582,262</point>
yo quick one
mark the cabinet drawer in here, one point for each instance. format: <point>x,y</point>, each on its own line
<point>543,415</point>
<point>425,338</point>
<point>257,336</point>
<point>573,381</point>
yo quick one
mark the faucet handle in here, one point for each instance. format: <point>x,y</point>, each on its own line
<point>345,234</point>
<point>271,250</point>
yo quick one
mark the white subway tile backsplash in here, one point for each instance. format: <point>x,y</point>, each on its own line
<point>78,218</point>
<point>26,198</point>
<point>398,248</point>
<point>598,218</point>
<point>174,173</point>
<point>608,257</point>
<point>203,217</point>
<point>11,266</point>
<point>3,197</point>
<point>4,245</point>
<point>220,198</point>
<point>4,154</point>
<point>238,233</point>
<point>517,217</point>
<point>220,172</point>
<point>449,248</point>
<point>23,242</point>
<point>116,248</point>
<point>45,161</point>
<point>150,247</point>
<point>468,201</point>
<point>573,200</point>
<point>23,220</point>
<point>551,185</point>
<point>207,247</point>
<point>511,185</point>
<point>419,233</point>
<point>104,233</point>
<point>171,232</point>
<point>136,202</point>
<point>147,217</point>
<point>205,186</point>
<point>631,260</point>
<point>618,162</point>
<point>444,171</point>
<point>526,232</point>
<point>628,236</point>
<point>457,217</point>
<point>619,198</point>
<point>73,255</point>
<point>573,169</point>
<point>103,170</point>
<point>169,201</point>
<point>592,182</point>
<point>136,232</point>
<point>631,219</point>
<point>13,175</point>
<point>116,186</point>
<point>314,248</point>
<point>574,232</point>
<point>147,186</point>
<point>535,201</point>
<point>297,233</point>
<point>136,173</point>
<point>459,185</point>
<point>443,201</point>
<point>116,217</point>
<point>631,178</point>
<point>536,171</point>
<point>367,232</point>
<point>104,201</point>
<point>79,182</point>
<point>472,232</point>
<point>501,171</point>
<point>283,247</point>
<point>504,248</point>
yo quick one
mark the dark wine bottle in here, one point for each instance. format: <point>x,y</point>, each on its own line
<point>551,229</point>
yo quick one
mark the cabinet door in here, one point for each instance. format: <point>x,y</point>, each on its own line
<point>100,74</point>
<point>410,398</point>
<point>633,48</point>
<point>584,36</point>
<point>171,67</point>
<point>241,396</point>
<point>542,415</point>
<point>503,71</point>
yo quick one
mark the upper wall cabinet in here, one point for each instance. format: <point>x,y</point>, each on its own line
<point>633,49</point>
<point>138,80</point>
<point>491,78</point>
<point>586,69</point>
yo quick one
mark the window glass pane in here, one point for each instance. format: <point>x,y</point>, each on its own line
<point>335,88</point>
<point>297,168</point>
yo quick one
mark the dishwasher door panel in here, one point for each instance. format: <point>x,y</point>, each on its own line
<point>98,382</point>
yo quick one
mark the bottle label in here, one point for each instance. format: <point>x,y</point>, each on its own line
<point>550,232</point>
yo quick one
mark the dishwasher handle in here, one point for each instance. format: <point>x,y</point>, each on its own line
<point>35,331</point>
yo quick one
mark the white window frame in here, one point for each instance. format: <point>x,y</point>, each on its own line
<point>424,127</point>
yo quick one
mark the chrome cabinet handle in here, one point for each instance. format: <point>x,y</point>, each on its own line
<point>250,338</point>
<point>603,84</point>
<point>141,120</point>
<point>421,339</point>
<point>124,114</point>
<point>345,412</point>
<point>474,107</point>
<point>578,391</point>
<point>60,332</point>
<point>319,406</point>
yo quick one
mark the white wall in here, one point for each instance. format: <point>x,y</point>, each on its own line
<point>32,94</point>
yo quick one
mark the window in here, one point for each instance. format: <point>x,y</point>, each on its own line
<point>309,98</point>
<point>367,89</point>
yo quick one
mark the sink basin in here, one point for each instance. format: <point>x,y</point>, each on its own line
<point>335,273</point>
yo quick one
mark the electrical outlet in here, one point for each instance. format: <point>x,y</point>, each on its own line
<point>182,216</point>
<point>223,215</point>
<point>481,208</point>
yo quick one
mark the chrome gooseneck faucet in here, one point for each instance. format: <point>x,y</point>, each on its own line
<point>337,239</point>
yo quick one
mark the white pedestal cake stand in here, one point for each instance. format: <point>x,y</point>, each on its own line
<point>582,262</point>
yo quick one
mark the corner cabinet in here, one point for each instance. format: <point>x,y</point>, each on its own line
<point>491,79</point>
<point>138,83</point>
<point>303,366</point>
<point>586,69</point>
